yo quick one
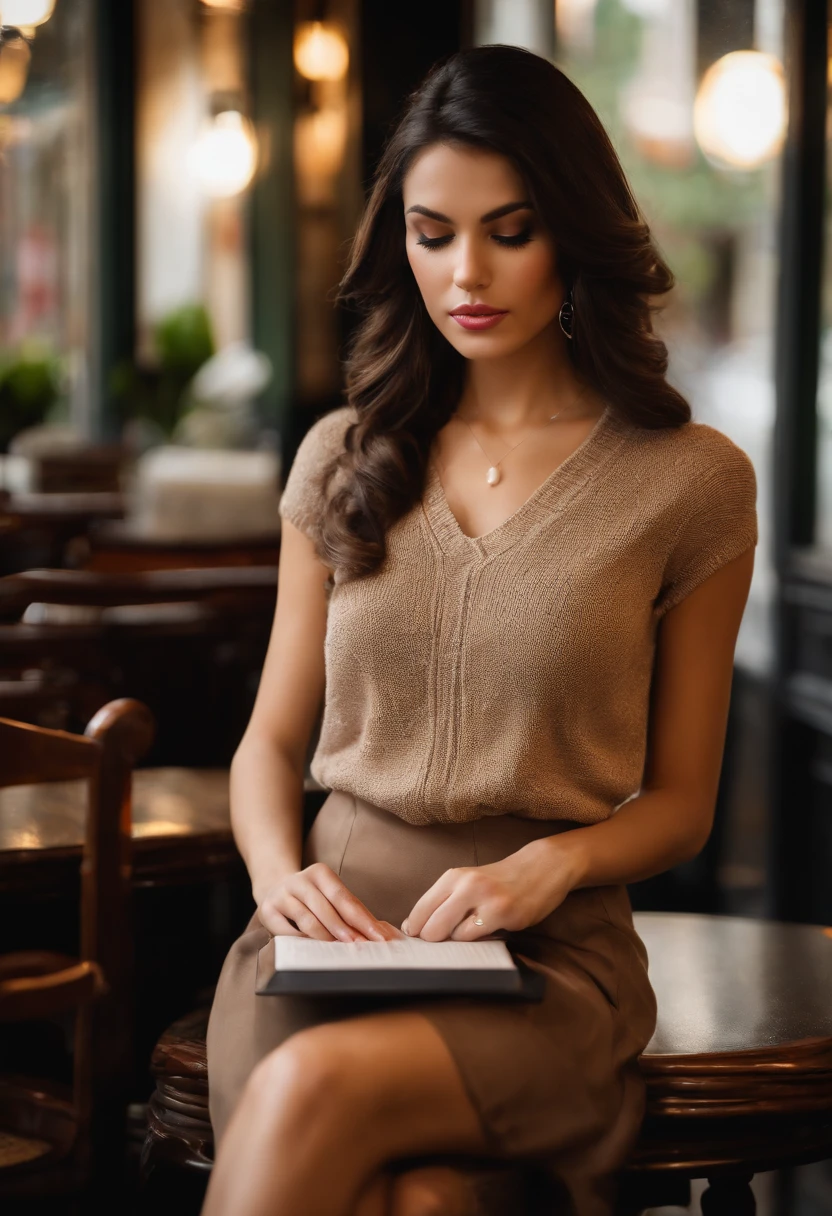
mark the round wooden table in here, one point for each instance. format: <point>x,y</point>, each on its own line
<point>739,1071</point>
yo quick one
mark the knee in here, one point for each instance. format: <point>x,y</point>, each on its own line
<point>432,1191</point>
<point>306,1075</point>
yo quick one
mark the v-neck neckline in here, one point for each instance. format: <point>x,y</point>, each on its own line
<point>550,495</point>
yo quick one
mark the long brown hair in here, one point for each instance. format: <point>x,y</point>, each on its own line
<point>403,378</point>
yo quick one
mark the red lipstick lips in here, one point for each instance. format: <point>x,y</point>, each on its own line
<point>478,316</point>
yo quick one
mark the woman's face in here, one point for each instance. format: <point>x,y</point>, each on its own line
<point>472,238</point>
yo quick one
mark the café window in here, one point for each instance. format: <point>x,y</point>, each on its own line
<point>823,518</point>
<point>196,158</point>
<point>46,183</point>
<point>693,95</point>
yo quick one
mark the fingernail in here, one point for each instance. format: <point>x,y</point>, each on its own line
<point>406,927</point>
<point>346,937</point>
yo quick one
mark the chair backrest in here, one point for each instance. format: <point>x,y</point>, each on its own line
<point>114,741</point>
<point>224,586</point>
<point>36,528</point>
<point>53,675</point>
<point>190,643</point>
<point>104,756</point>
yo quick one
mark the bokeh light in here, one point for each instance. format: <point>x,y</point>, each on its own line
<point>320,51</point>
<point>740,112</point>
<point>14,66</point>
<point>25,12</point>
<point>224,157</point>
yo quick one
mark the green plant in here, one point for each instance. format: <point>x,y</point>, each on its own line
<point>182,343</point>
<point>30,378</point>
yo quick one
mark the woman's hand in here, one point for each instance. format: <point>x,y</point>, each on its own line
<point>510,894</point>
<point>315,903</point>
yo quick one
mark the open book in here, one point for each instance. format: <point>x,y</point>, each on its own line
<point>407,964</point>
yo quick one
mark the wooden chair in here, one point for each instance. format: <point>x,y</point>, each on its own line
<point>37,528</point>
<point>47,1135</point>
<point>220,586</point>
<point>739,1072</point>
<point>189,643</point>
<point>53,675</point>
<point>115,547</point>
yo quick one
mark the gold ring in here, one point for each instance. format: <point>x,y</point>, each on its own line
<point>479,921</point>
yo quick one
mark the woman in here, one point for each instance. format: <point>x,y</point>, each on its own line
<point>514,571</point>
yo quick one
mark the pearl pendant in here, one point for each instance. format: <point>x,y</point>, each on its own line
<point>493,475</point>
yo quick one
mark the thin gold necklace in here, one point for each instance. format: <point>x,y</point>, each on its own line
<point>493,475</point>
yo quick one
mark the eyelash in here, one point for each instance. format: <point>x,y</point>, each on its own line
<point>509,242</point>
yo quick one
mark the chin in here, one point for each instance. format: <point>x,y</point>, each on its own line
<point>485,345</point>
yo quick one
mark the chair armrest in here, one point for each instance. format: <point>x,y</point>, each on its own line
<point>32,988</point>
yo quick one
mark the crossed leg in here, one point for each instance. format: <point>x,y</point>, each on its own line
<point>324,1113</point>
<point>426,1191</point>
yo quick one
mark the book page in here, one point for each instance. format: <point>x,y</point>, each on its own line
<point>307,954</point>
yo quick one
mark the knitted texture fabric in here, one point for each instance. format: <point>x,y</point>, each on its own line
<point>510,673</point>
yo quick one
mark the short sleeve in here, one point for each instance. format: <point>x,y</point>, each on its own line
<point>719,524</point>
<point>301,501</point>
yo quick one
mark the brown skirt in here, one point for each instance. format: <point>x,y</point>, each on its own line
<point>556,1081</point>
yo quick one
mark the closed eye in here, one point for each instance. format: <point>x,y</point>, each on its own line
<point>510,242</point>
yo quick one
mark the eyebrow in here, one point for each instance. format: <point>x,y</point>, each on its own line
<point>496,214</point>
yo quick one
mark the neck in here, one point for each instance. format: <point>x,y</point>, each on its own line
<point>525,388</point>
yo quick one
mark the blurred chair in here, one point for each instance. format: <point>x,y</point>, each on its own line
<point>54,459</point>
<point>39,528</point>
<point>52,675</point>
<point>91,589</point>
<point>116,546</point>
<point>90,468</point>
<point>739,1071</point>
<point>48,1136</point>
<point>189,643</point>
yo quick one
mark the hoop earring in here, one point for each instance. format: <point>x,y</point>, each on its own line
<point>566,316</point>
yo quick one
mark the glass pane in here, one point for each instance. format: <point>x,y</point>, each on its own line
<point>45,201</point>
<point>196,159</point>
<point>705,167</point>
<point>823,518</point>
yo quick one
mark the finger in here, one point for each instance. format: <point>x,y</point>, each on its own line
<point>305,919</point>
<point>352,911</point>
<point>427,905</point>
<point>451,912</point>
<point>277,924</point>
<point>320,906</point>
<point>393,934</point>
<point>467,931</point>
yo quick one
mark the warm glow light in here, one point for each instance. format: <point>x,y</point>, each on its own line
<point>230,6</point>
<point>739,116</point>
<point>25,12</point>
<point>575,23</point>
<point>14,67</point>
<point>321,52</point>
<point>320,137</point>
<point>224,157</point>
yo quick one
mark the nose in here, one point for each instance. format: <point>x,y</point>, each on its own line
<point>471,271</point>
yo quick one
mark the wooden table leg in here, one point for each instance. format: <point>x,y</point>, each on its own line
<point>729,1197</point>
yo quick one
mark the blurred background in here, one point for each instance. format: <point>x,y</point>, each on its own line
<point>179,182</point>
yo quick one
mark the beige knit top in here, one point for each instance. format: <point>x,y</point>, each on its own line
<point>510,673</point>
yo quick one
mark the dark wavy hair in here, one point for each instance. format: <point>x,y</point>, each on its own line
<point>403,378</point>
